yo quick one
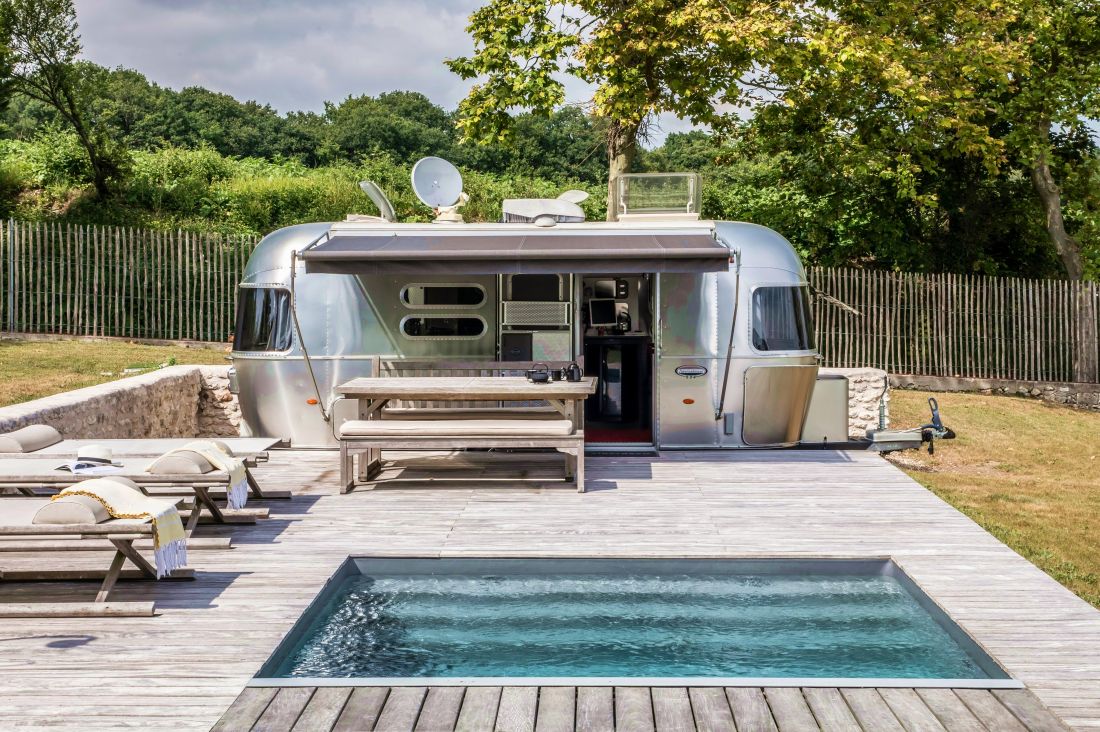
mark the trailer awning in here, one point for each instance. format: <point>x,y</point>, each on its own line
<point>506,253</point>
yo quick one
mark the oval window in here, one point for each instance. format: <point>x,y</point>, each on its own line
<point>431,326</point>
<point>429,296</point>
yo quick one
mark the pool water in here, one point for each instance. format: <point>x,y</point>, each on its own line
<point>625,618</point>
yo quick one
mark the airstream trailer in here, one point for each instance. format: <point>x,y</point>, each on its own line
<point>699,331</point>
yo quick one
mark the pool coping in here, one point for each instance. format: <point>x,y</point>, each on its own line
<point>886,565</point>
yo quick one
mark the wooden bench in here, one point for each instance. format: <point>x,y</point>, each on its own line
<point>361,437</point>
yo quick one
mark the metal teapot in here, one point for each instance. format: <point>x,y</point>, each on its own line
<point>572,372</point>
<point>540,374</point>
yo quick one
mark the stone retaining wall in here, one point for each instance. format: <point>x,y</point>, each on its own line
<point>177,401</point>
<point>865,387</point>
<point>1081,396</point>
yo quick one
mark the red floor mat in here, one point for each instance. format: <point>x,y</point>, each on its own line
<point>612,434</point>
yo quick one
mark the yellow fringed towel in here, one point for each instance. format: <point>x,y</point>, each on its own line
<point>237,493</point>
<point>123,502</point>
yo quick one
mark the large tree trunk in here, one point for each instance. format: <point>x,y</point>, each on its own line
<point>1068,248</point>
<point>1085,366</point>
<point>622,141</point>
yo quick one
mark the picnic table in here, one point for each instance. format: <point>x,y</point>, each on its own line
<point>374,393</point>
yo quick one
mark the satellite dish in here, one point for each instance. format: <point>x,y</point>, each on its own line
<point>385,208</point>
<point>573,196</point>
<point>436,182</point>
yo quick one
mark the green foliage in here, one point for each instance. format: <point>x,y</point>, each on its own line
<point>41,63</point>
<point>201,189</point>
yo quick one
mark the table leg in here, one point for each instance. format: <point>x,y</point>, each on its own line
<point>370,462</point>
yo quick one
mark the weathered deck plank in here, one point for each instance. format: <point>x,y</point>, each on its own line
<point>711,709</point>
<point>479,709</point>
<point>440,710</point>
<point>402,708</point>
<point>282,713</point>
<point>362,709</point>
<point>672,710</point>
<point>790,710</point>
<point>633,709</point>
<point>323,709</point>
<point>518,706</point>
<point>557,706</point>
<point>213,634</point>
<point>595,709</point>
<point>750,710</point>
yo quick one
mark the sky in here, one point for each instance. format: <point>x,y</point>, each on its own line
<point>292,54</point>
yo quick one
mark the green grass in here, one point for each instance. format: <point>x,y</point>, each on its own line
<point>33,369</point>
<point>1024,470</point>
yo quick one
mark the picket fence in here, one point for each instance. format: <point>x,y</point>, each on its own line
<point>140,283</point>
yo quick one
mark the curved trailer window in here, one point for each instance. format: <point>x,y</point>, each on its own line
<point>443,326</point>
<point>263,319</point>
<point>442,296</point>
<point>781,319</point>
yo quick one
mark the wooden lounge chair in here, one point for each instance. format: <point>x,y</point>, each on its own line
<point>19,533</point>
<point>40,441</point>
<point>32,475</point>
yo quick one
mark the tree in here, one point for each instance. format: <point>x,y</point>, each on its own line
<point>892,88</point>
<point>912,85</point>
<point>644,57</point>
<point>43,47</point>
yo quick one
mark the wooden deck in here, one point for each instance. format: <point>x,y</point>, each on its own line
<point>638,709</point>
<point>187,666</point>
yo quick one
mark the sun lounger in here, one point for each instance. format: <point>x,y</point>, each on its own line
<point>44,441</point>
<point>31,475</point>
<point>20,532</point>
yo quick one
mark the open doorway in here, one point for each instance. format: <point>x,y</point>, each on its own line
<point>616,317</point>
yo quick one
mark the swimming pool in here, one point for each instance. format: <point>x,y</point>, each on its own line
<point>462,620</point>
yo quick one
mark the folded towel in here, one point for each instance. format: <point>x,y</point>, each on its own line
<point>216,455</point>
<point>220,458</point>
<point>121,501</point>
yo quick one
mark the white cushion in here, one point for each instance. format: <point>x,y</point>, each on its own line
<point>457,428</point>
<point>183,462</point>
<point>29,439</point>
<point>72,510</point>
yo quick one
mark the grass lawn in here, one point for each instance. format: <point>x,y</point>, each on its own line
<point>1026,471</point>
<point>33,369</point>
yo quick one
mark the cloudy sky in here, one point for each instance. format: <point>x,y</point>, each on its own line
<point>291,54</point>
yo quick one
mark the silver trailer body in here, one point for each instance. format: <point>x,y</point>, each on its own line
<point>349,322</point>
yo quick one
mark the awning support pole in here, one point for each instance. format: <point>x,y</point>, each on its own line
<point>302,341</point>
<point>736,256</point>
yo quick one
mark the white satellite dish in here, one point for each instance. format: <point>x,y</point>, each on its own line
<point>438,184</point>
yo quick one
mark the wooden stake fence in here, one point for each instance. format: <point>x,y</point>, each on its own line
<point>959,325</point>
<point>119,281</point>
<point>139,283</point>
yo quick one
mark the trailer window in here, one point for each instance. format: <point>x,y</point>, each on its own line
<point>443,326</point>
<point>263,320</point>
<point>781,319</point>
<point>430,296</point>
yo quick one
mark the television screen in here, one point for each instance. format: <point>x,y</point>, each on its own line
<point>602,312</point>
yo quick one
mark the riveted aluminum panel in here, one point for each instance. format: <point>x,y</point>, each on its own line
<point>687,402</point>
<point>776,400</point>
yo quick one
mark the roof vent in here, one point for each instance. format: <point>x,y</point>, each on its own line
<point>565,209</point>
<point>656,196</point>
